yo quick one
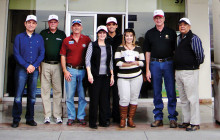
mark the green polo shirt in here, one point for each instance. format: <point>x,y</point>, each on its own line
<point>52,44</point>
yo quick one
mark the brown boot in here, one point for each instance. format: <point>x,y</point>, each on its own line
<point>123,115</point>
<point>131,113</point>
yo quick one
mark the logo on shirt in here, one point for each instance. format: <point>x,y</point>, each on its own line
<point>58,39</point>
<point>166,36</point>
<point>71,42</point>
<point>84,45</point>
<point>46,38</point>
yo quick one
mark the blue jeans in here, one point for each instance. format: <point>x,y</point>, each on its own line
<point>164,70</point>
<point>21,78</point>
<point>71,86</point>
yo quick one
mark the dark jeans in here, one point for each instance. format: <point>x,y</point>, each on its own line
<point>22,78</point>
<point>164,70</point>
<point>99,92</point>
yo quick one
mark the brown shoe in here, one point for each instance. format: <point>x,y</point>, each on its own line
<point>157,123</point>
<point>123,115</point>
<point>193,127</point>
<point>131,113</point>
<point>183,125</point>
<point>173,124</point>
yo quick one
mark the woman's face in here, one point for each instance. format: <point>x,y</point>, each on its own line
<point>102,35</point>
<point>129,37</point>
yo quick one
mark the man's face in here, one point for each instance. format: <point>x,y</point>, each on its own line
<point>112,27</point>
<point>30,25</point>
<point>184,28</point>
<point>159,21</point>
<point>53,24</point>
<point>76,28</point>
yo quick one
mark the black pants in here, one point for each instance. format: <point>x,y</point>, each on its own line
<point>115,102</point>
<point>99,93</point>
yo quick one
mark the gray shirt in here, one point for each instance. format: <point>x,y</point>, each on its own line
<point>103,66</point>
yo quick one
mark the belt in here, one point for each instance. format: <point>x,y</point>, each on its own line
<point>161,60</point>
<point>51,62</point>
<point>75,67</point>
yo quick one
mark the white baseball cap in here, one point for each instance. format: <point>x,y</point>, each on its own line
<point>158,13</point>
<point>186,20</point>
<point>52,17</point>
<point>31,17</point>
<point>102,27</point>
<point>111,19</point>
<point>78,21</point>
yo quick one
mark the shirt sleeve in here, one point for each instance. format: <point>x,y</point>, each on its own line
<point>198,49</point>
<point>141,57</point>
<point>118,57</point>
<point>147,47</point>
<point>17,55</point>
<point>41,53</point>
<point>63,48</point>
<point>111,61</point>
<point>89,55</point>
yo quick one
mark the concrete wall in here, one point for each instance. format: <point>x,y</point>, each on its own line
<point>197,12</point>
<point>3,29</point>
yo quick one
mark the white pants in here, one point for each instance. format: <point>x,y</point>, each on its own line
<point>187,83</point>
<point>129,90</point>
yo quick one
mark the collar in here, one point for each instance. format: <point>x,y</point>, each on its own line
<point>25,33</point>
<point>184,36</point>
<point>49,32</point>
<point>71,36</point>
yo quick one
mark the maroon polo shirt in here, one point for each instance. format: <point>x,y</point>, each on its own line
<point>75,51</point>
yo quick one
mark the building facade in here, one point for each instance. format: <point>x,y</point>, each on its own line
<point>136,14</point>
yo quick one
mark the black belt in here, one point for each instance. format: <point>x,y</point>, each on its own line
<point>75,67</point>
<point>161,60</point>
<point>51,62</point>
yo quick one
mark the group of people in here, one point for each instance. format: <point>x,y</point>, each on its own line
<point>113,63</point>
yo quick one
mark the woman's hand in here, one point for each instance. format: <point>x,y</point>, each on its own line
<point>112,80</point>
<point>90,78</point>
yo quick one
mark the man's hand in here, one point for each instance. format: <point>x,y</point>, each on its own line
<point>30,69</point>
<point>67,76</point>
<point>148,76</point>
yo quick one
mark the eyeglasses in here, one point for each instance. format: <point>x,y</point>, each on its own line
<point>76,21</point>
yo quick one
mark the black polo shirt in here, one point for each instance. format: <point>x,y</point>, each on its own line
<point>52,44</point>
<point>160,44</point>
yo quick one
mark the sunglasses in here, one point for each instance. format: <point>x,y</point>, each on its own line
<point>76,21</point>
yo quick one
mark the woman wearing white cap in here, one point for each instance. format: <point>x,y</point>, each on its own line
<point>129,58</point>
<point>99,67</point>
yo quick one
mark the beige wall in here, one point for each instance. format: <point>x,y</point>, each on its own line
<point>197,12</point>
<point>3,29</point>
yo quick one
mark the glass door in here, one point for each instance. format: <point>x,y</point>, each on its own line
<point>89,23</point>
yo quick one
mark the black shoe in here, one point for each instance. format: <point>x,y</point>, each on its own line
<point>31,123</point>
<point>183,125</point>
<point>108,122</point>
<point>70,122</point>
<point>93,126</point>
<point>104,124</point>
<point>15,124</point>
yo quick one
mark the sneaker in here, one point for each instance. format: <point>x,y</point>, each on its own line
<point>47,120</point>
<point>59,121</point>
<point>82,122</point>
<point>192,127</point>
<point>70,122</point>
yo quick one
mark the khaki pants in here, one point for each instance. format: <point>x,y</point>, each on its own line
<point>51,77</point>
<point>187,83</point>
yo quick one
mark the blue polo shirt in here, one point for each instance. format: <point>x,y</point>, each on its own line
<point>29,50</point>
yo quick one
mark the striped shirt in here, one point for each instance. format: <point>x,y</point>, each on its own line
<point>197,48</point>
<point>129,71</point>
<point>103,67</point>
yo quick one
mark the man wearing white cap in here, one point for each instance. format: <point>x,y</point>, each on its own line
<point>114,38</point>
<point>51,72</point>
<point>28,52</point>
<point>73,64</point>
<point>188,56</point>
<point>159,46</point>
